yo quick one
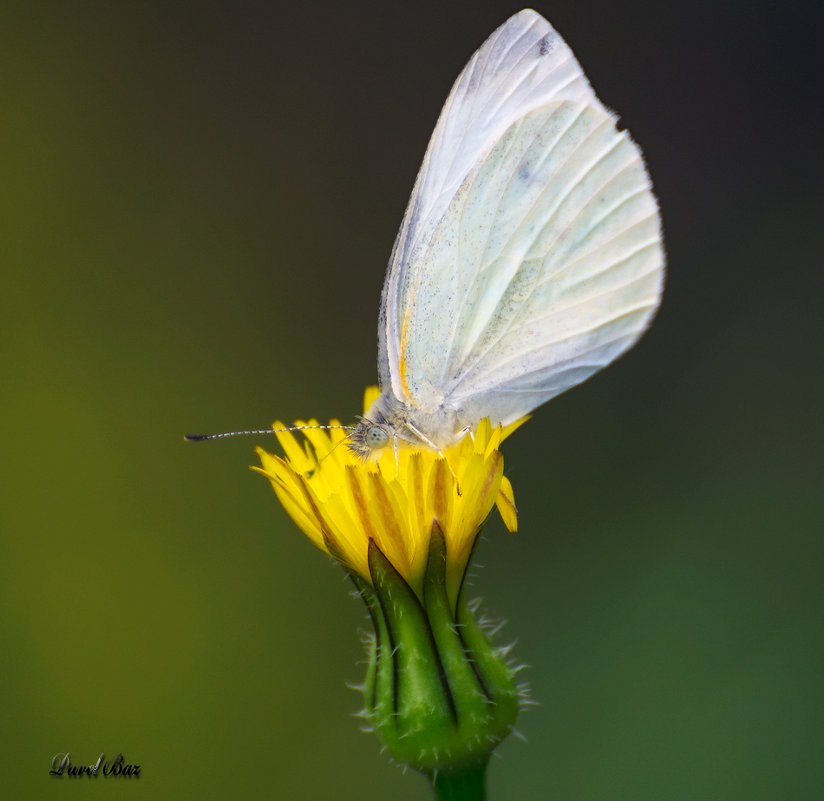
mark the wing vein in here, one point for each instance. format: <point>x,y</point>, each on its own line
<point>557,205</point>
<point>521,354</point>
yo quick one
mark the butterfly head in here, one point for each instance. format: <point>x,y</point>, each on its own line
<point>368,438</point>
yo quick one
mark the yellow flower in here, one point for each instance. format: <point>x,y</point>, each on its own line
<point>341,502</point>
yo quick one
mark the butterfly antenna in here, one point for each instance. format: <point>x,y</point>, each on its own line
<point>256,432</point>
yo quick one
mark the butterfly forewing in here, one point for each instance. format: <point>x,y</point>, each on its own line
<point>530,254</point>
<point>522,65</point>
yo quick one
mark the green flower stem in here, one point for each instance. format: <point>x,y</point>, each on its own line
<point>466,785</point>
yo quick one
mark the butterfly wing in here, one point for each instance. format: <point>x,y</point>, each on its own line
<point>530,254</point>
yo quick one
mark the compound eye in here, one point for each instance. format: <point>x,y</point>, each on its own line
<point>376,437</point>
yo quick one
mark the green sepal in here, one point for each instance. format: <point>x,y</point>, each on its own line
<point>476,675</point>
<point>437,692</point>
<point>370,683</point>
<point>412,703</point>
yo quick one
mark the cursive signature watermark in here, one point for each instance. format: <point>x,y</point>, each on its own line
<point>61,765</point>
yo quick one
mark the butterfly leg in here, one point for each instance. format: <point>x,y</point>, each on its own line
<point>423,438</point>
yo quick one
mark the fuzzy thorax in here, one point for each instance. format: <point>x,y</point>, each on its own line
<point>389,422</point>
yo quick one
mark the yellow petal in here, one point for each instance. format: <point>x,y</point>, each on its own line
<point>294,453</point>
<point>370,395</point>
<point>506,505</point>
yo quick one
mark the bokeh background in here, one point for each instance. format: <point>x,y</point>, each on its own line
<point>198,202</point>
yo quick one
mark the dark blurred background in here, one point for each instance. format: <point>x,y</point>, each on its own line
<point>198,203</point>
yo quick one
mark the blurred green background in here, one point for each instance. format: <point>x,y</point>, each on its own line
<point>198,203</point>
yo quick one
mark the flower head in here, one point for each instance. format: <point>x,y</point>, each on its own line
<point>342,502</point>
<point>438,692</point>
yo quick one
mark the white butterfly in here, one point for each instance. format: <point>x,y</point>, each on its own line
<point>530,255</point>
